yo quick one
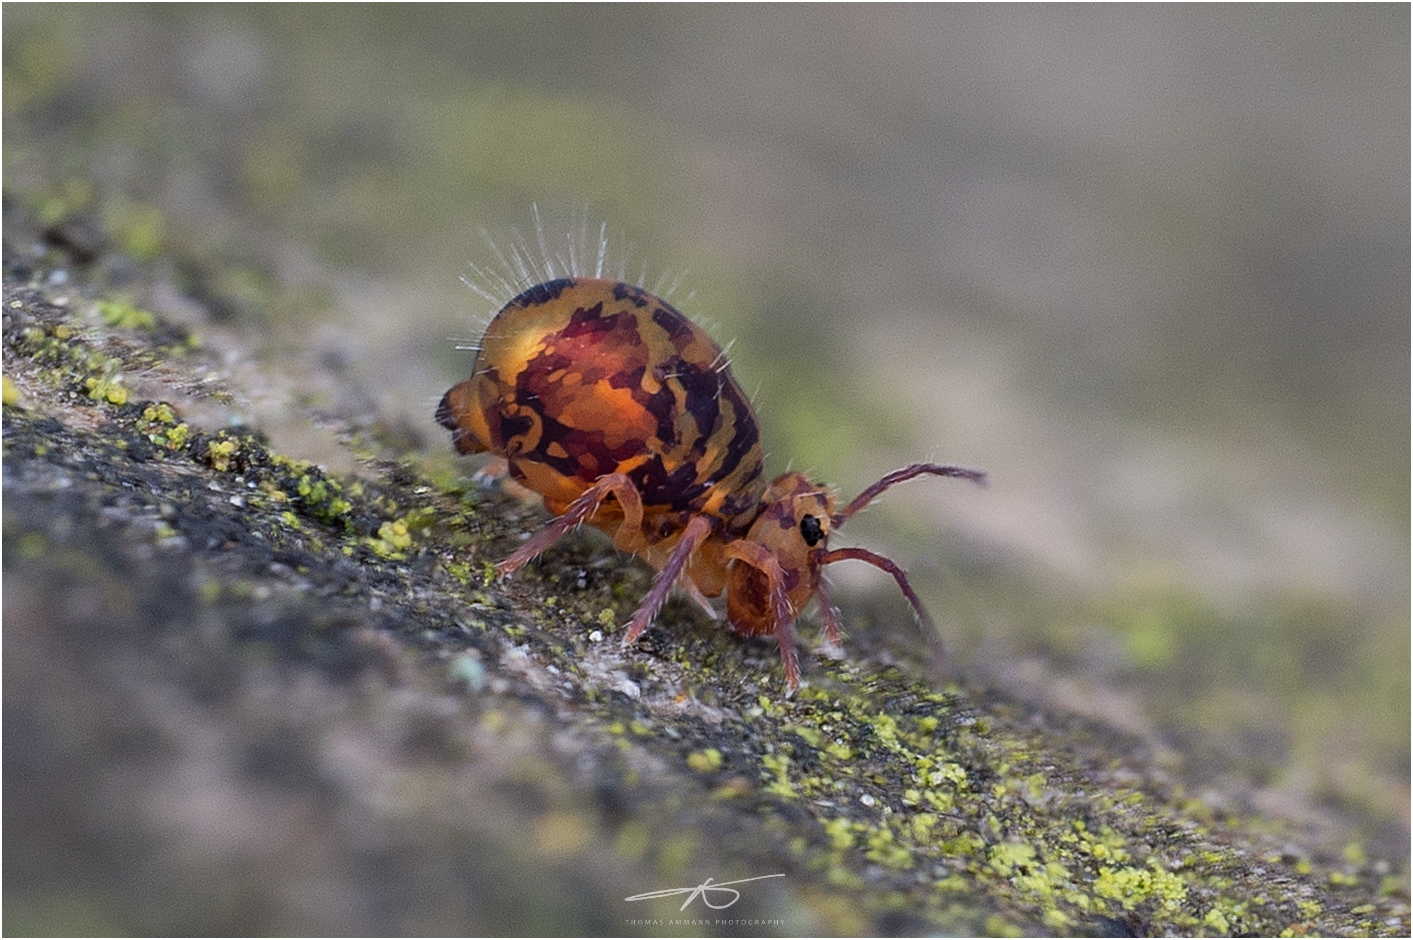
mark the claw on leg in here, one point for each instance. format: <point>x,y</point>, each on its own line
<point>833,629</point>
<point>789,656</point>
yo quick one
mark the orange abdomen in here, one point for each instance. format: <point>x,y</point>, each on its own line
<point>580,377</point>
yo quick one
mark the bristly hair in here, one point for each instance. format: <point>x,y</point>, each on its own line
<point>526,259</point>
<point>529,259</point>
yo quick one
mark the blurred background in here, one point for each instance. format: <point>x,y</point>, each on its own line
<point>1149,267</point>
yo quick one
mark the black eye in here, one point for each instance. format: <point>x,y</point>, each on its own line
<point>809,528</point>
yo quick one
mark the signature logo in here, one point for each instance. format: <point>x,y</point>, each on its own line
<point>704,891</point>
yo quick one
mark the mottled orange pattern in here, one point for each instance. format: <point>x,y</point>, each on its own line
<point>622,413</point>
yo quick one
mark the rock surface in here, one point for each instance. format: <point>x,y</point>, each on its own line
<point>245,694</point>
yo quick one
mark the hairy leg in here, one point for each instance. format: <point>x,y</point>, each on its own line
<point>630,531</point>
<point>783,614</point>
<point>900,476</point>
<point>829,614</point>
<point>697,530</point>
<point>929,630</point>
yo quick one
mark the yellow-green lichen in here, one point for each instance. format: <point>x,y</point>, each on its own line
<point>705,760</point>
<point>163,429</point>
<point>885,849</point>
<point>840,833</point>
<point>459,570</point>
<point>161,412</point>
<point>392,540</point>
<point>1132,886</point>
<point>321,496</point>
<point>137,229</point>
<point>125,316</point>
<point>778,765</point>
<point>221,453</point>
<point>1057,920</point>
<point>107,388</point>
<point>1047,882</point>
<point>1105,845</point>
<point>1005,857</point>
